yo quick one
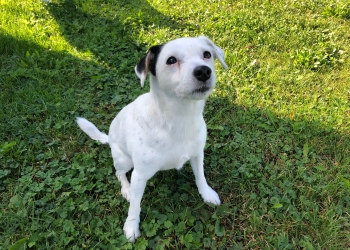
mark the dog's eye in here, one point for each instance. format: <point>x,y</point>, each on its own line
<point>206,54</point>
<point>171,60</point>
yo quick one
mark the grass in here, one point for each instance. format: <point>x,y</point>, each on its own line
<point>278,125</point>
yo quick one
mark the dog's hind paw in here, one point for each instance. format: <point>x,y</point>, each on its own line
<point>131,230</point>
<point>210,196</point>
<point>126,192</point>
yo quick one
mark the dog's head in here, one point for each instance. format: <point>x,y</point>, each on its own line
<point>184,67</point>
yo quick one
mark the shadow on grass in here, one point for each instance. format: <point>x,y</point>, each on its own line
<point>279,177</point>
<point>254,160</point>
<point>35,82</point>
<point>28,68</point>
<point>274,175</point>
<point>106,28</point>
<point>246,145</point>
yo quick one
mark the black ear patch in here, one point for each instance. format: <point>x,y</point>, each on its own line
<point>141,65</point>
<point>155,50</point>
<point>148,62</point>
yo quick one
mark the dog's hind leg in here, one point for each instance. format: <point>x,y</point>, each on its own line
<point>125,185</point>
<point>122,164</point>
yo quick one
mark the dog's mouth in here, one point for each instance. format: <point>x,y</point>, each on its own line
<point>201,89</point>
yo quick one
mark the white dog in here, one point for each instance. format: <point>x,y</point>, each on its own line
<point>164,128</point>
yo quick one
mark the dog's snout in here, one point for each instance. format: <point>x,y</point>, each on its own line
<point>202,73</point>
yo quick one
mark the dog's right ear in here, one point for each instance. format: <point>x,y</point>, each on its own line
<point>148,63</point>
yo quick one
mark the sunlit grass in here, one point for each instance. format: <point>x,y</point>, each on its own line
<point>278,125</point>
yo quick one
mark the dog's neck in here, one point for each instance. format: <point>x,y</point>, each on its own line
<point>171,107</point>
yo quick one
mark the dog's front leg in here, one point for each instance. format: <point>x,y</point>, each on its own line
<point>137,187</point>
<point>207,193</point>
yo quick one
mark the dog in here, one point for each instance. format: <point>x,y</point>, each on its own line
<point>164,128</point>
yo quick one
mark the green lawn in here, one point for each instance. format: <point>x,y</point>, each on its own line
<point>278,147</point>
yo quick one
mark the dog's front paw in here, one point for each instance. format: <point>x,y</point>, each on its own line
<point>131,230</point>
<point>210,196</point>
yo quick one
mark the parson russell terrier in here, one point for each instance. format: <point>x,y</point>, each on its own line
<point>164,128</point>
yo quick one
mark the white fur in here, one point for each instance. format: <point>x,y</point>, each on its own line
<point>164,128</point>
<point>91,130</point>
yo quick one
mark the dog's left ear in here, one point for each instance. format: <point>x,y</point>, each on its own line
<point>148,63</point>
<point>219,53</point>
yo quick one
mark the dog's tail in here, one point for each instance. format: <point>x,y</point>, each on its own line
<point>90,129</point>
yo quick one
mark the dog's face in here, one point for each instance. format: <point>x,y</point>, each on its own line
<point>183,67</point>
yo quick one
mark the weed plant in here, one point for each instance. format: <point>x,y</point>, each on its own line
<point>278,125</point>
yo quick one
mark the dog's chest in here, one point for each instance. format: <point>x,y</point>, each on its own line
<point>169,146</point>
<point>181,144</point>
<point>176,156</point>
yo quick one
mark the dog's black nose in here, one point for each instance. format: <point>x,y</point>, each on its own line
<point>202,73</point>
